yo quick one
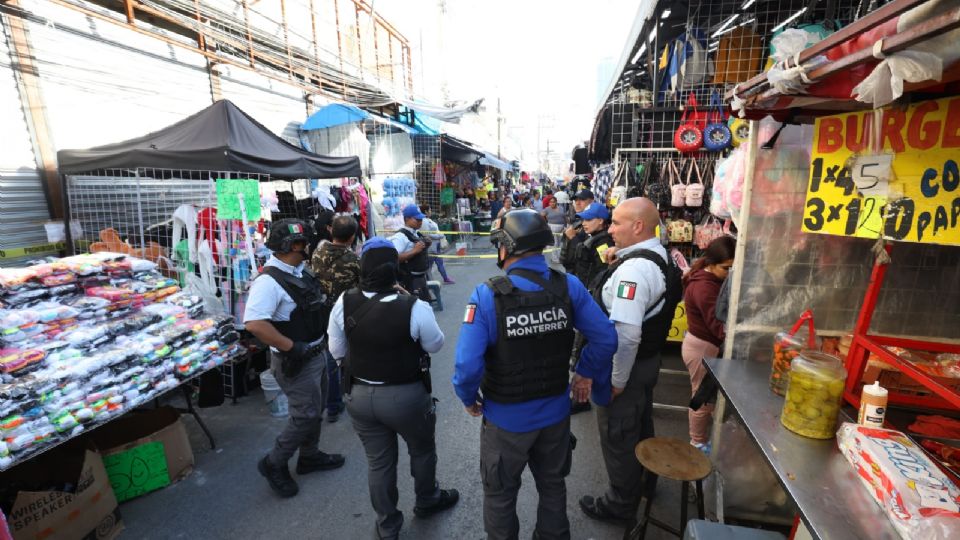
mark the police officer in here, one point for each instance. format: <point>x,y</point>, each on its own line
<point>640,291</point>
<point>588,256</point>
<point>514,346</point>
<point>384,337</point>
<point>574,235</point>
<point>414,256</point>
<point>287,311</point>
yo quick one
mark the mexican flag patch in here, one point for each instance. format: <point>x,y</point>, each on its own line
<point>626,289</point>
<point>295,228</point>
<point>470,313</point>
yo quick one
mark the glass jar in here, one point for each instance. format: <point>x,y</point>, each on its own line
<point>814,395</point>
<point>786,347</point>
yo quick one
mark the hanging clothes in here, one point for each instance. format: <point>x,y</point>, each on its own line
<point>439,176</point>
<point>185,221</point>
<point>208,229</point>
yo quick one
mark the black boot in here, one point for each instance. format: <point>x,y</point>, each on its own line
<point>319,462</point>
<point>448,498</point>
<point>278,477</point>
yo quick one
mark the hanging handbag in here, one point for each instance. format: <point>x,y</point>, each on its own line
<point>707,231</point>
<point>688,137</point>
<point>716,136</point>
<point>658,189</point>
<point>679,231</point>
<point>678,189</point>
<point>694,192</point>
<point>739,131</point>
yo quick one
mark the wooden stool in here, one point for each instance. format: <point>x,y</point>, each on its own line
<point>676,460</point>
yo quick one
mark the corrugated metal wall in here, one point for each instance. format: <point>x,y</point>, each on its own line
<point>272,103</point>
<point>23,207</point>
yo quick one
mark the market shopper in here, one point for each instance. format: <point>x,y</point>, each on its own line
<point>413,248</point>
<point>287,311</point>
<point>337,268</point>
<point>705,333</point>
<point>640,291</point>
<point>436,249</point>
<point>514,346</point>
<point>507,206</point>
<point>557,220</point>
<point>574,235</point>
<point>384,337</point>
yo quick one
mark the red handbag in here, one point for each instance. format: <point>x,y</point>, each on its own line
<point>688,137</point>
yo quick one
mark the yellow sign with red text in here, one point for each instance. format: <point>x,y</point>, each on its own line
<point>891,173</point>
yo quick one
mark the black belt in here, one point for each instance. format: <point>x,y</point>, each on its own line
<point>362,382</point>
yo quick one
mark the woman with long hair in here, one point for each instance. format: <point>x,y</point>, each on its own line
<point>705,333</point>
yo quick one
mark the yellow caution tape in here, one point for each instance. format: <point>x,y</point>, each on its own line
<point>17,252</point>
<point>483,256</point>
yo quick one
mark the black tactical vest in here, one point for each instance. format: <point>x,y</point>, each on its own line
<point>531,358</point>
<point>588,262</point>
<point>420,263</point>
<point>655,329</point>
<point>378,335</point>
<point>308,321</point>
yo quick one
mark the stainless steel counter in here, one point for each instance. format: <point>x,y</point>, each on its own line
<point>833,503</point>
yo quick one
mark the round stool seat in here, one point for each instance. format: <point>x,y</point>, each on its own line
<point>673,459</point>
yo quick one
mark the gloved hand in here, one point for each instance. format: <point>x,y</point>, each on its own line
<point>300,351</point>
<point>294,359</point>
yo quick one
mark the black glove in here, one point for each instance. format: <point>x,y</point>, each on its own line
<point>294,359</point>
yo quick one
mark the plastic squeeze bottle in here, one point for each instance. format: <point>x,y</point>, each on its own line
<point>873,405</point>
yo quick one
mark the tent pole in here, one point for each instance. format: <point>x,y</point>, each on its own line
<point>143,243</point>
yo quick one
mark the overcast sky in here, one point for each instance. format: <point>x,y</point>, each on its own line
<point>541,57</point>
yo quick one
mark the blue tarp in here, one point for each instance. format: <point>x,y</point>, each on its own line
<point>491,160</point>
<point>335,114</point>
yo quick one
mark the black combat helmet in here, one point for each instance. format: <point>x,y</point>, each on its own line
<point>521,231</point>
<point>286,232</point>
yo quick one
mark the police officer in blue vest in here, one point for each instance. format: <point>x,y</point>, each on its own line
<point>512,367</point>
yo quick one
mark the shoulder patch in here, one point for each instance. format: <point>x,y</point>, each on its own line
<point>470,313</point>
<point>626,290</point>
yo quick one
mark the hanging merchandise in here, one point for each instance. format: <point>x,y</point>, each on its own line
<point>697,68</point>
<point>679,231</point>
<point>678,189</point>
<point>739,131</point>
<point>658,189</point>
<point>739,54</point>
<point>693,196</point>
<point>716,136</point>
<point>707,231</point>
<point>688,137</point>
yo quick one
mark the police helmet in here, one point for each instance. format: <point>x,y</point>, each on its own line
<point>521,231</point>
<point>286,232</point>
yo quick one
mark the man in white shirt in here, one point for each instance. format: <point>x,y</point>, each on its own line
<point>382,338</point>
<point>640,293</point>
<point>413,252</point>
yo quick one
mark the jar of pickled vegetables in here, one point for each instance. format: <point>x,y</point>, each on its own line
<point>814,395</point>
<point>786,347</point>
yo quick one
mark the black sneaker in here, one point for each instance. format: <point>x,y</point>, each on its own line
<point>577,407</point>
<point>596,509</point>
<point>448,498</point>
<point>278,477</point>
<point>319,462</point>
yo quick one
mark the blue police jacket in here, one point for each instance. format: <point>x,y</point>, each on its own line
<point>479,331</point>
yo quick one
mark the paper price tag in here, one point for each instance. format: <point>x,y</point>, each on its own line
<point>871,174</point>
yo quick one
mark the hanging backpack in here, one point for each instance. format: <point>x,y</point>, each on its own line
<point>688,137</point>
<point>716,136</point>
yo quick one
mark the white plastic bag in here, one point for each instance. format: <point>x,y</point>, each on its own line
<point>885,82</point>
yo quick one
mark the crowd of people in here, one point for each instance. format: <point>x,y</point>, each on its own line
<point>342,324</point>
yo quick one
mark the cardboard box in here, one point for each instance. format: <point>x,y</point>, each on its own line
<point>87,511</point>
<point>144,451</point>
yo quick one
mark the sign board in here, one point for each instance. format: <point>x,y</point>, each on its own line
<point>678,328</point>
<point>907,188</point>
<point>228,202</point>
<point>140,470</point>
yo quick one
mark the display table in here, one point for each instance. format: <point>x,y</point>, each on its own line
<point>833,503</point>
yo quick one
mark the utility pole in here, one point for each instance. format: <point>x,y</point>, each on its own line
<point>499,120</point>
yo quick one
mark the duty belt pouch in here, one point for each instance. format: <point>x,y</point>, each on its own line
<point>346,377</point>
<point>289,366</point>
<point>425,373</point>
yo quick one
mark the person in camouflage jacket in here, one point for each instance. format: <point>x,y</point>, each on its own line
<point>337,268</point>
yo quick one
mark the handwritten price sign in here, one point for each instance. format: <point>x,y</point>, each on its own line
<point>906,190</point>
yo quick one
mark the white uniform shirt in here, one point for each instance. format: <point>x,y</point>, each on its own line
<point>423,327</point>
<point>401,242</point>
<point>635,285</point>
<point>267,300</point>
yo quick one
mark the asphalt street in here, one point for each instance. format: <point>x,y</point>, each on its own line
<point>225,497</point>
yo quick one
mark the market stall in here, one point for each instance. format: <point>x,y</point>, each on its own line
<point>847,222</point>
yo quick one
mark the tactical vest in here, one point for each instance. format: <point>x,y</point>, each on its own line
<point>568,248</point>
<point>421,262</point>
<point>654,330</point>
<point>378,335</point>
<point>308,321</point>
<point>531,358</point>
<point>588,262</point>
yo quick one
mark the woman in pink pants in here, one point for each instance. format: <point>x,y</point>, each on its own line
<point>705,333</point>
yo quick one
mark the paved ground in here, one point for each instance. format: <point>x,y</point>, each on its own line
<point>225,497</point>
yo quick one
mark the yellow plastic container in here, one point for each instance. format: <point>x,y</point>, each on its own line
<point>814,395</point>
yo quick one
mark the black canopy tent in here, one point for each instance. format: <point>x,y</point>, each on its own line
<point>219,138</point>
